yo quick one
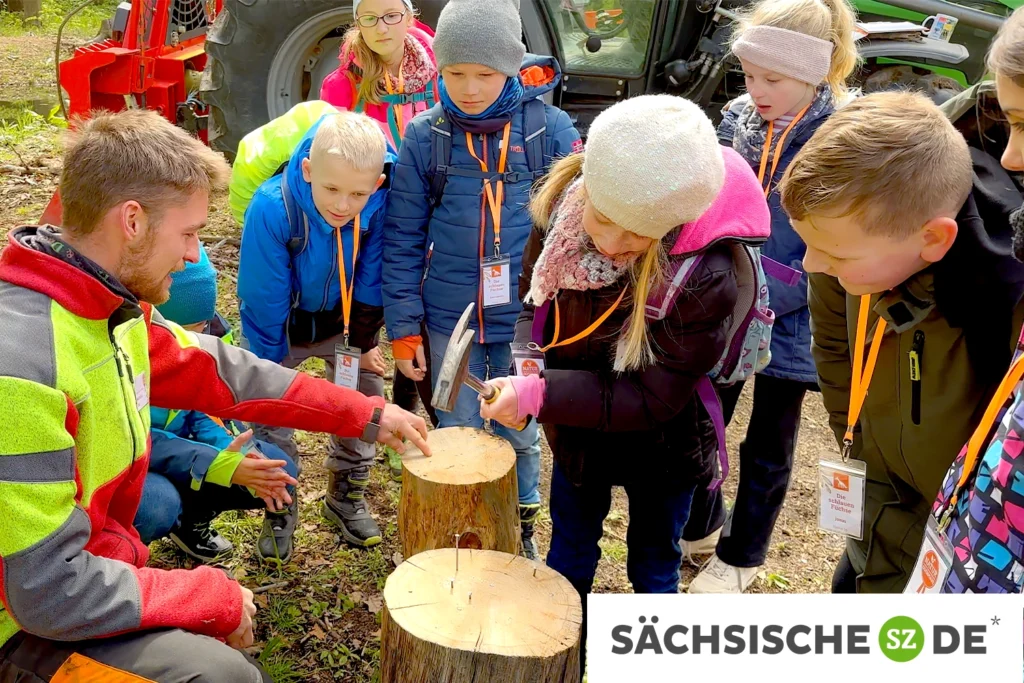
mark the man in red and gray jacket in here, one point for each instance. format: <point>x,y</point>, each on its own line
<point>82,354</point>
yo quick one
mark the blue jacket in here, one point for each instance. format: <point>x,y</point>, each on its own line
<point>743,129</point>
<point>460,229</point>
<point>185,444</point>
<point>271,284</point>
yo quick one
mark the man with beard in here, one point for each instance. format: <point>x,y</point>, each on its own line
<point>82,353</point>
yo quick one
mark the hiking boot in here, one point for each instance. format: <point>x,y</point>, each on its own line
<point>275,542</point>
<point>345,507</point>
<point>720,577</point>
<point>703,547</point>
<point>528,515</point>
<point>200,541</point>
<point>394,463</point>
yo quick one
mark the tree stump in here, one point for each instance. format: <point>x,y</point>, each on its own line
<point>467,487</point>
<point>499,618</point>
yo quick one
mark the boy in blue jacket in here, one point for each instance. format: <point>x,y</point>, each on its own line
<point>299,300</point>
<point>197,468</point>
<point>494,137</point>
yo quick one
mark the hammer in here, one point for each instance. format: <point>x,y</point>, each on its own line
<point>455,368</point>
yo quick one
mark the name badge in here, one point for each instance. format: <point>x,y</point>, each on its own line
<point>934,562</point>
<point>141,395</point>
<point>527,360</point>
<point>496,276</point>
<point>346,366</point>
<point>842,493</point>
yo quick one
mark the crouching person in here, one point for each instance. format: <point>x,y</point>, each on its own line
<point>82,355</point>
<point>197,468</point>
<point>309,283</point>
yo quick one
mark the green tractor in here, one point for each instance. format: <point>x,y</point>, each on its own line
<point>224,67</point>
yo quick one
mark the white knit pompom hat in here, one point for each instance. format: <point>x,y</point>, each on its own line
<point>652,163</point>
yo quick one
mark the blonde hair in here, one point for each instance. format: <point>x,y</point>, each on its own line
<point>355,138</point>
<point>137,156</point>
<point>635,350</point>
<point>892,159</point>
<point>831,20</point>
<point>1006,56</point>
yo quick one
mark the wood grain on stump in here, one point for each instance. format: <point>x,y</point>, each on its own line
<point>500,617</point>
<point>467,487</point>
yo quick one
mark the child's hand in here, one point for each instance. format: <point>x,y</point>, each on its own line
<point>506,408</point>
<point>267,477</point>
<point>373,361</point>
<point>414,372</point>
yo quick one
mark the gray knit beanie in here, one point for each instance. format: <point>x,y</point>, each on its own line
<point>652,163</point>
<point>487,32</point>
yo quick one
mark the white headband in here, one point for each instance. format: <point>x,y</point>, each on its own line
<point>786,52</point>
<point>355,6</point>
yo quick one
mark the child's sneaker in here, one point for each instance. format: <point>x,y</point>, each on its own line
<point>345,506</point>
<point>528,515</point>
<point>719,577</point>
<point>275,542</point>
<point>703,547</point>
<point>201,542</point>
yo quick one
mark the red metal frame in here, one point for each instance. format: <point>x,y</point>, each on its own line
<point>101,75</point>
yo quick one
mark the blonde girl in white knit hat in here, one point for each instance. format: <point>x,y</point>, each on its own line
<point>796,57</point>
<point>613,386</point>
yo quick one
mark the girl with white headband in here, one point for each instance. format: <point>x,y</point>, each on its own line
<point>388,70</point>
<point>796,56</point>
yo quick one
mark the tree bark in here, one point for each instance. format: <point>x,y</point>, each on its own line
<point>499,618</point>
<point>467,487</point>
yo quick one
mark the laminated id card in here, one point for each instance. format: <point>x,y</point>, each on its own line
<point>842,493</point>
<point>527,360</point>
<point>346,366</point>
<point>496,275</point>
<point>933,562</point>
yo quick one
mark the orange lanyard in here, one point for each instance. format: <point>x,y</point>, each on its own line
<point>585,333</point>
<point>494,198</point>
<point>347,292</point>
<point>861,373</point>
<point>778,150</point>
<point>980,435</point>
<point>399,118</point>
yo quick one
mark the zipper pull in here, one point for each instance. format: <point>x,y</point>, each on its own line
<point>916,348</point>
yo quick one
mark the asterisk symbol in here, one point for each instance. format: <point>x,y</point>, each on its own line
<point>995,621</point>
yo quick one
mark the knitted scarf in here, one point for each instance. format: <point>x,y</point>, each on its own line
<point>752,130</point>
<point>418,69</point>
<point>569,259</point>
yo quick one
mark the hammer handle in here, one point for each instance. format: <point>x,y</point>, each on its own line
<point>489,393</point>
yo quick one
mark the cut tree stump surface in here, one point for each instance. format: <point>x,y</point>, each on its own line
<point>467,487</point>
<point>500,617</point>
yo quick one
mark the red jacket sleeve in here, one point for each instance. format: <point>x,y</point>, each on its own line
<point>199,372</point>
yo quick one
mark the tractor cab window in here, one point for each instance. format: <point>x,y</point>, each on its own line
<point>603,37</point>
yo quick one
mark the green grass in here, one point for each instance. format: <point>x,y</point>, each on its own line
<point>84,25</point>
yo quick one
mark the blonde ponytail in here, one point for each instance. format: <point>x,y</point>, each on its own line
<point>831,20</point>
<point>370,88</point>
<point>635,351</point>
<point>553,186</point>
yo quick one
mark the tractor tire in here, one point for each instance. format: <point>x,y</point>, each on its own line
<point>256,51</point>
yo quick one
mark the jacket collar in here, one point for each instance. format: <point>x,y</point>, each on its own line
<point>71,287</point>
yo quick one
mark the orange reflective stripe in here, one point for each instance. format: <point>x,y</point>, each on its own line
<point>778,150</point>
<point>347,292</point>
<point>81,669</point>
<point>980,436</point>
<point>495,199</point>
<point>862,372</point>
<point>585,333</point>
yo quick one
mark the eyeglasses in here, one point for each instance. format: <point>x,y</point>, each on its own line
<point>391,18</point>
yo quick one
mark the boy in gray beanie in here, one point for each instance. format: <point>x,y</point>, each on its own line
<point>470,148</point>
<point>487,32</point>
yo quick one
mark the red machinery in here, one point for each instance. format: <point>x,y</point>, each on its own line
<point>153,61</point>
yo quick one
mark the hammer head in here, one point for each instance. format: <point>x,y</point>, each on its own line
<point>455,365</point>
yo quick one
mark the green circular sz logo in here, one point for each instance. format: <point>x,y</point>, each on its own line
<point>901,639</point>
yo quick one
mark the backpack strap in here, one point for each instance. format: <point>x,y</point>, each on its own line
<point>780,271</point>
<point>441,151</point>
<point>535,128</point>
<point>659,302</point>
<point>298,225</point>
<point>713,405</point>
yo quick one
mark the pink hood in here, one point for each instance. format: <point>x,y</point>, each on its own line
<point>739,211</point>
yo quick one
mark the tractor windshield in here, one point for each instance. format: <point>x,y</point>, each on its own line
<point>603,37</point>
